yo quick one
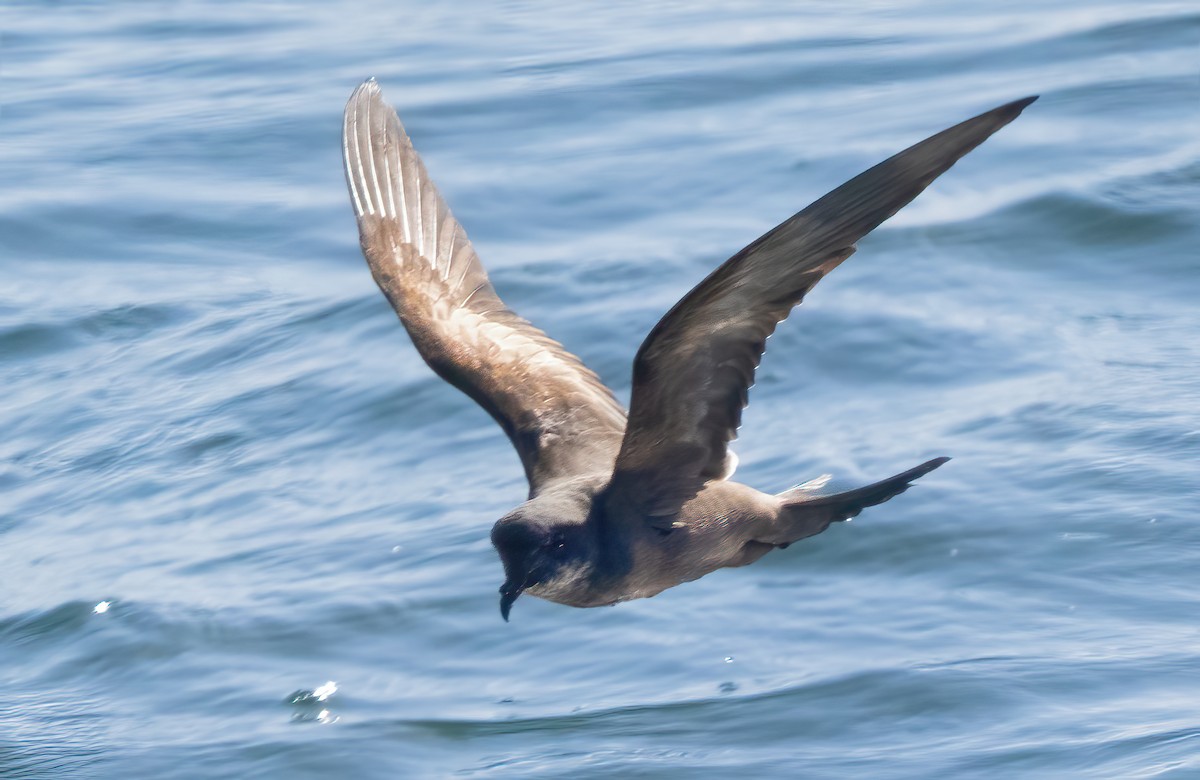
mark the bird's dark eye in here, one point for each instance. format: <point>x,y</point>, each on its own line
<point>555,543</point>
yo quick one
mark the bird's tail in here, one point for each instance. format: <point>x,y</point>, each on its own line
<point>807,513</point>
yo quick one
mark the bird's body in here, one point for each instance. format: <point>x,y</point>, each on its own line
<point>623,506</point>
<point>603,566</point>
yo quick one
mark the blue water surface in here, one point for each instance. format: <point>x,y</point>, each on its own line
<point>244,529</point>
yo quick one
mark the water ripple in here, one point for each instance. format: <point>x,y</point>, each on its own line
<point>214,424</point>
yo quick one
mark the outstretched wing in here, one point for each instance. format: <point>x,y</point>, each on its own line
<point>693,371</point>
<point>561,419</point>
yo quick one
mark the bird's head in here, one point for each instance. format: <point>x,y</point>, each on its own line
<point>537,554</point>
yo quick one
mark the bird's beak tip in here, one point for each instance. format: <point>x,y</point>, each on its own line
<point>507,597</point>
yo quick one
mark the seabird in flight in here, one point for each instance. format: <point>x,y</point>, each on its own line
<point>624,505</point>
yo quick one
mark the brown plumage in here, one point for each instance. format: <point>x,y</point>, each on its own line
<point>624,508</point>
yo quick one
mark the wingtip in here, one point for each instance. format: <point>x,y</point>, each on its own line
<point>930,465</point>
<point>1017,106</point>
<point>364,124</point>
<point>927,467</point>
<point>369,87</point>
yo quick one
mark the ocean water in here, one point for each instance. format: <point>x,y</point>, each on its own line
<point>244,529</point>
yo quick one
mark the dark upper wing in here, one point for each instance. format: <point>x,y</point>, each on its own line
<point>562,420</point>
<point>692,373</point>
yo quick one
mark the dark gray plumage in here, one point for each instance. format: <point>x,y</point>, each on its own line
<point>624,508</point>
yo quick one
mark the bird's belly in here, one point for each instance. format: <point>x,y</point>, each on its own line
<point>576,593</point>
<point>577,597</point>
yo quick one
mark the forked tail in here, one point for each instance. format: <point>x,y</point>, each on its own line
<point>805,514</point>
